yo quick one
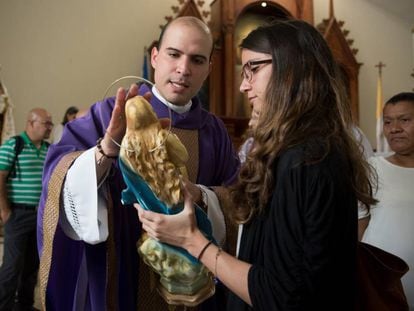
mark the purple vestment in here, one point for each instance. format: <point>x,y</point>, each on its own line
<point>218,165</point>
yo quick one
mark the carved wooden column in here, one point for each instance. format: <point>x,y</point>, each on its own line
<point>224,17</point>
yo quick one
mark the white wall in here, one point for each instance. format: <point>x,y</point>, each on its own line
<point>57,53</point>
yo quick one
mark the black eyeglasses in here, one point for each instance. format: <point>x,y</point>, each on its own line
<point>47,124</point>
<point>251,67</point>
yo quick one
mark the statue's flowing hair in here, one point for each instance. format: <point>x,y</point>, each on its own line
<point>144,149</point>
<point>152,163</point>
<point>306,100</point>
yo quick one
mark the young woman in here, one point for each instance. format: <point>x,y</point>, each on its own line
<point>297,192</point>
<point>70,114</point>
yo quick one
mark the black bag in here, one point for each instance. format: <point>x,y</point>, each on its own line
<point>379,280</point>
<point>18,147</point>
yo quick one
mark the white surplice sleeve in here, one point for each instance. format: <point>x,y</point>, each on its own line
<point>215,215</point>
<point>84,213</point>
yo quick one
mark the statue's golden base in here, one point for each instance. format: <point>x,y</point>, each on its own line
<point>188,300</point>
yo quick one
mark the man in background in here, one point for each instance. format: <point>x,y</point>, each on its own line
<point>70,114</point>
<point>21,169</point>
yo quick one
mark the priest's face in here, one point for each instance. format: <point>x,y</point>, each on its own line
<point>182,62</point>
<point>399,127</point>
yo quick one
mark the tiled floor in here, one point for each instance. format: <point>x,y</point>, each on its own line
<point>37,300</point>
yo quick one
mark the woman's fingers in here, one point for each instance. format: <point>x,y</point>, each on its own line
<point>190,190</point>
<point>144,215</point>
<point>151,233</point>
<point>147,223</point>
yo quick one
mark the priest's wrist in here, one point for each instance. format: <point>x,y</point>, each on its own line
<point>107,147</point>
<point>104,158</point>
<point>103,162</point>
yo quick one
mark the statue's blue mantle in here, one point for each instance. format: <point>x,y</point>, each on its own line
<point>138,191</point>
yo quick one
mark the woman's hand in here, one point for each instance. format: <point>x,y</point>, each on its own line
<point>179,229</point>
<point>192,189</point>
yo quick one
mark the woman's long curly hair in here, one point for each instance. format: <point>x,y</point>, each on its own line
<point>306,99</point>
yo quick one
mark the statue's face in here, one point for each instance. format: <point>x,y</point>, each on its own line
<point>139,113</point>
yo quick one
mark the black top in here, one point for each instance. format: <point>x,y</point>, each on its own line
<point>303,248</point>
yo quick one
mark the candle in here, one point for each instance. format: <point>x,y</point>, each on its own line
<point>412,34</point>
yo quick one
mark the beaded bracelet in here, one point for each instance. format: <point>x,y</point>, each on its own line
<point>203,250</point>
<point>99,146</point>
